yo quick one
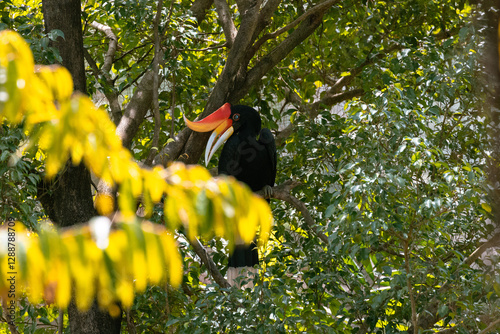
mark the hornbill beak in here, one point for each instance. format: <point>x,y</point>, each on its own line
<point>222,125</point>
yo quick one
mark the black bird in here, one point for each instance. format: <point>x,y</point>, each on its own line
<point>249,159</point>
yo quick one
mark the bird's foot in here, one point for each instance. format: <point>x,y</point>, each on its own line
<point>268,191</point>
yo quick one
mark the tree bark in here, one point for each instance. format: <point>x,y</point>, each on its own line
<point>68,199</point>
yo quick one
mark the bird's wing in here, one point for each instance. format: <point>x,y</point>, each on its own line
<point>266,138</point>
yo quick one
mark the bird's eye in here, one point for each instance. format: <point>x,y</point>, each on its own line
<point>236,117</point>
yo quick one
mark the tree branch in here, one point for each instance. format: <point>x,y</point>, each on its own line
<point>113,46</point>
<point>492,242</point>
<point>281,192</point>
<point>111,94</point>
<point>136,110</point>
<point>305,29</point>
<point>199,9</point>
<point>329,99</point>
<point>265,16</point>
<point>209,263</point>
<point>322,6</point>
<point>172,150</point>
<point>226,21</point>
<point>494,325</point>
<point>225,84</point>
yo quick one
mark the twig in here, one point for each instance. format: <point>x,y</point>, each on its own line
<point>495,324</point>
<point>123,55</point>
<point>218,46</point>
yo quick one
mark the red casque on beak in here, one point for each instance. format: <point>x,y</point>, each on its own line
<point>220,122</point>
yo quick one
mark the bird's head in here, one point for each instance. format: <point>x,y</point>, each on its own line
<point>224,122</point>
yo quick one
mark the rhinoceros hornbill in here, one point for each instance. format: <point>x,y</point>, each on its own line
<point>249,159</point>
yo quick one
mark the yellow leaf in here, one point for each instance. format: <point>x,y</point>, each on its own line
<point>35,275</point>
<point>139,269</point>
<point>265,219</point>
<point>173,258</point>
<point>17,60</point>
<point>155,184</point>
<point>126,200</point>
<point>486,207</point>
<point>117,244</point>
<point>247,226</point>
<point>155,267</point>
<point>105,295</point>
<point>104,204</point>
<point>63,294</point>
<point>125,292</point>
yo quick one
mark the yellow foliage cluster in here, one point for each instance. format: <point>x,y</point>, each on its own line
<point>49,264</point>
<point>65,126</point>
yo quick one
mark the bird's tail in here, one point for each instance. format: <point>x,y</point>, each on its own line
<point>242,262</point>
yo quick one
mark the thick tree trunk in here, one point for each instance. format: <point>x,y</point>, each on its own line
<point>68,199</point>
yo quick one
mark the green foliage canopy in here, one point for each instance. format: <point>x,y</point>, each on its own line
<point>379,114</point>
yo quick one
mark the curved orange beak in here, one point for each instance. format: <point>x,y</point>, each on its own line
<point>222,125</point>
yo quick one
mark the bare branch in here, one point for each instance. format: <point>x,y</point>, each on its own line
<point>173,149</point>
<point>92,63</point>
<point>226,21</point>
<point>136,110</point>
<point>492,242</point>
<point>209,263</point>
<point>494,325</point>
<point>305,29</point>
<point>265,15</point>
<point>113,46</point>
<point>172,107</point>
<point>226,81</point>
<point>218,46</point>
<point>111,95</point>
<point>322,6</point>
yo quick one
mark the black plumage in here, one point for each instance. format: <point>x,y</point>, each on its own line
<point>250,156</point>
